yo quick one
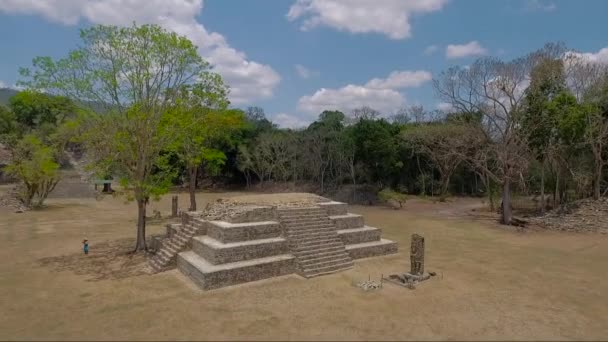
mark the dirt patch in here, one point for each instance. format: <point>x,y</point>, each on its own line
<point>107,260</point>
<point>492,284</point>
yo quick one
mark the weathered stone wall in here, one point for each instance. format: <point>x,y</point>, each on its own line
<point>348,221</point>
<point>350,236</point>
<point>216,278</point>
<point>254,214</point>
<point>217,253</point>
<point>228,232</point>
<point>371,250</point>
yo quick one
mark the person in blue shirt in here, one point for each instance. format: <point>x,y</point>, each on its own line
<point>85,246</point>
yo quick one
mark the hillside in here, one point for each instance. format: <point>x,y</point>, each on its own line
<point>5,94</point>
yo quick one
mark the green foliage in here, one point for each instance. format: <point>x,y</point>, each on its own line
<point>134,73</point>
<point>34,109</point>
<point>33,164</point>
<point>377,148</point>
<point>388,195</point>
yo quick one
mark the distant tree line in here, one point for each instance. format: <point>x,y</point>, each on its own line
<point>148,110</point>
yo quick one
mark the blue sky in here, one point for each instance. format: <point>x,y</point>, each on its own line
<point>295,58</point>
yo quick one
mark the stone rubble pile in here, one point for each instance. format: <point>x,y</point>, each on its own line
<point>581,216</point>
<point>369,285</point>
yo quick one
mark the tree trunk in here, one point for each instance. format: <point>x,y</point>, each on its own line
<point>445,183</point>
<point>192,187</point>
<point>598,180</point>
<point>507,214</point>
<point>489,191</point>
<point>556,192</point>
<point>542,188</point>
<point>423,192</point>
<point>141,225</point>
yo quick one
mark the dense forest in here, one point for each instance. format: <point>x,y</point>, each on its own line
<point>536,125</point>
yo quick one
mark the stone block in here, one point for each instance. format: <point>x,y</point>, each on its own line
<point>208,276</point>
<point>216,252</point>
<point>334,208</point>
<point>228,232</point>
<point>348,221</point>
<point>371,249</point>
<point>359,235</point>
<point>254,214</point>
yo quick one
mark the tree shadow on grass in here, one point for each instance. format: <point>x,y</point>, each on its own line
<point>107,260</point>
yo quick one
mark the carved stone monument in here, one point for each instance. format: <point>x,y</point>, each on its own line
<point>417,255</point>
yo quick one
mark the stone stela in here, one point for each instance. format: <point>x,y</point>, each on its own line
<point>417,255</point>
<point>416,274</point>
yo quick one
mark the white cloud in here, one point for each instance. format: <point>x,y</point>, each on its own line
<point>304,72</point>
<point>389,17</point>
<point>444,106</point>
<point>248,80</point>
<point>472,48</point>
<point>598,57</point>
<point>289,121</point>
<point>431,49</point>
<point>380,94</point>
<point>401,79</point>
<point>3,85</point>
<point>538,5</point>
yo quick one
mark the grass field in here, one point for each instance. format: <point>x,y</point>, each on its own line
<point>491,283</point>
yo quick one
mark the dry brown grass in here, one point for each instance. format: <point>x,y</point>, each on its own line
<point>491,283</point>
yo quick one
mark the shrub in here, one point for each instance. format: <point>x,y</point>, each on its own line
<point>388,195</point>
<point>34,165</point>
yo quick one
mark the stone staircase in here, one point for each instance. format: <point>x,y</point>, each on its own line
<point>177,241</point>
<point>314,241</point>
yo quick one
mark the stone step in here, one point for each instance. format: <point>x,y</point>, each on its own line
<point>217,252</point>
<point>310,230</point>
<point>326,263</point>
<point>315,272</point>
<point>303,216</point>
<point>285,211</point>
<point>300,225</point>
<point>209,276</point>
<point>370,249</point>
<point>311,234</point>
<point>316,240</point>
<point>359,235</point>
<point>315,247</point>
<point>323,258</point>
<point>322,254</point>
<point>303,223</point>
<point>315,251</point>
<point>180,239</point>
<point>172,245</point>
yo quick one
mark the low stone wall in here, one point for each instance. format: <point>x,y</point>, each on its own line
<point>359,235</point>
<point>217,253</point>
<point>334,208</point>
<point>347,221</point>
<point>254,214</point>
<point>372,249</point>
<point>211,277</point>
<point>227,232</point>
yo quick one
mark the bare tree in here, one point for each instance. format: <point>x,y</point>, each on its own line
<point>495,89</point>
